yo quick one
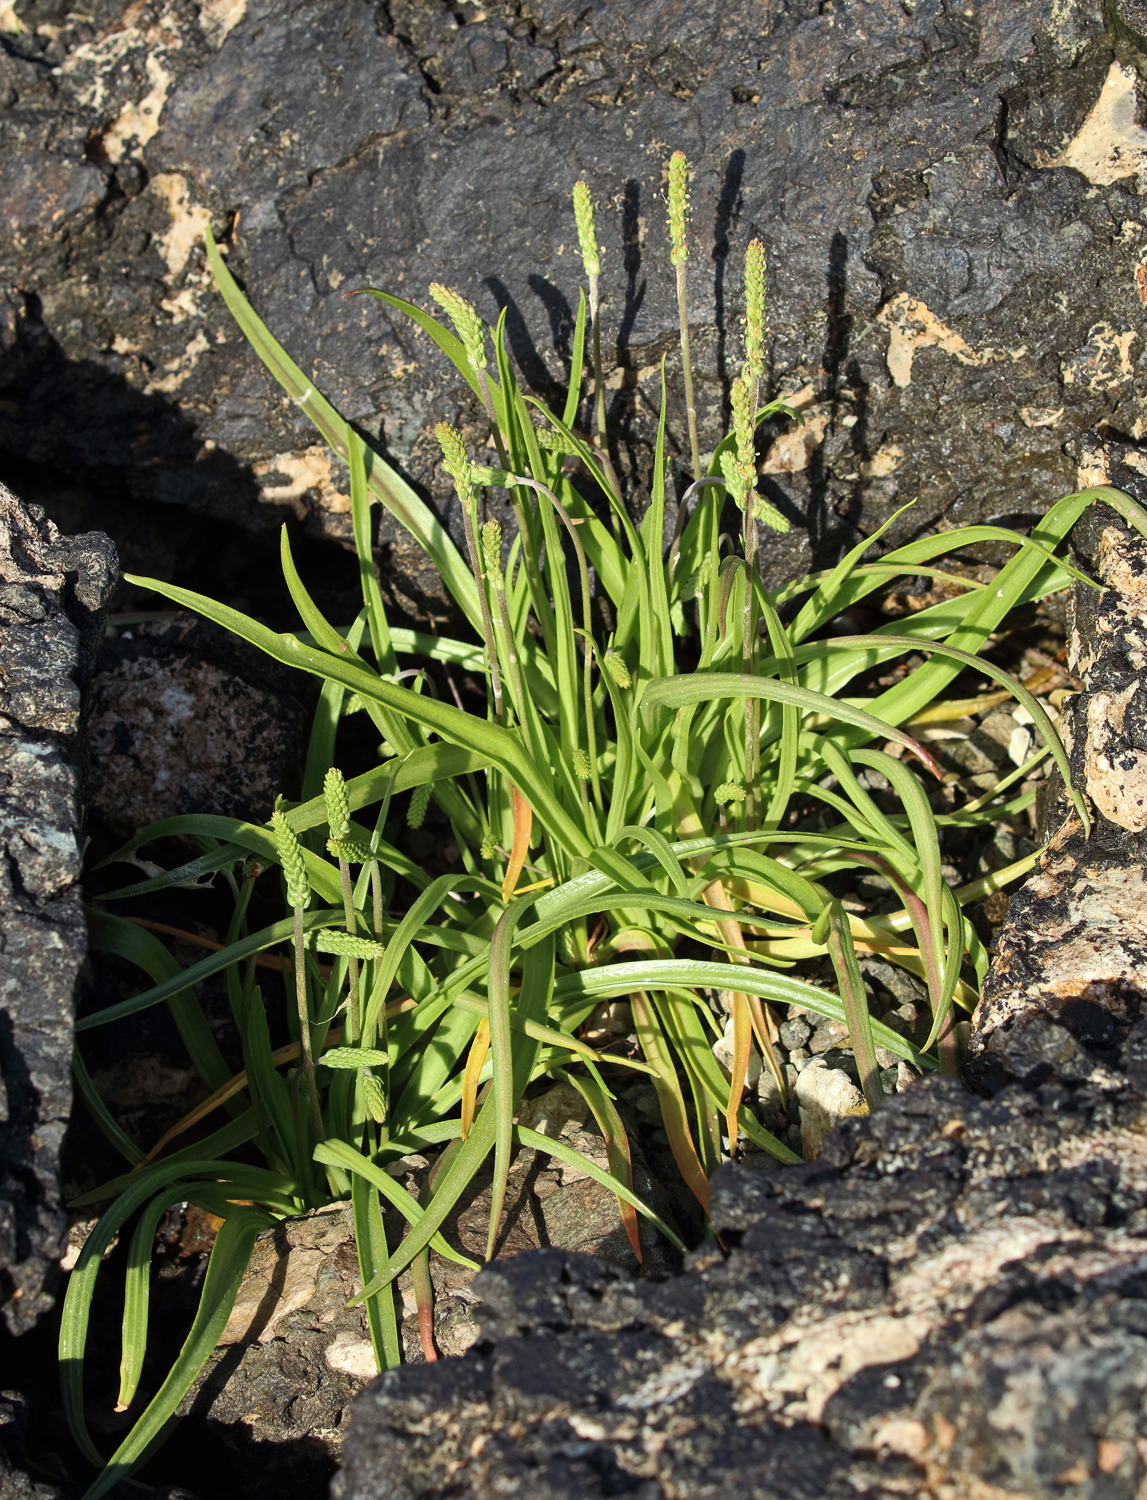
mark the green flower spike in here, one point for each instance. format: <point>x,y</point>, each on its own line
<point>338,807</point>
<point>581,765</point>
<point>350,850</point>
<point>492,552</point>
<point>755,310</point>
<point>617,669</point>
<point>728,792</point>
<point>464,316</point>
<point>740,469</point>
<point>419,802</point>
<point>678,206</point>
<point>586,230</point>
<point>455,460</point>
<point>373,1096</point>
<point>291,858</point>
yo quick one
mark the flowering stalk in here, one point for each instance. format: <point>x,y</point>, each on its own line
<point>469,327</point>
<point>492,557</point>
<point>679,254</point>
<point>458,466</point>
<point>591,259</point>
<point>298,899</point>
<point>338,822</point>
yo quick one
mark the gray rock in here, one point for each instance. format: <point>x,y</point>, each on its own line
<point>948,196</point>
<point>1074,945</point>
<point>184,718</point>
<point>948,1301</point>
<point>54,593</point>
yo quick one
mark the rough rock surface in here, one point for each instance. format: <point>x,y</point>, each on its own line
<point>949,1303</point>
<point>277,1392</point>
<point>1075,943</point>
<point>54,592</point>
<point>949,195</point>
<point>183,718</point>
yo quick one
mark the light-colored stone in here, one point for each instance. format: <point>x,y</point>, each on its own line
<point>825,1096</point>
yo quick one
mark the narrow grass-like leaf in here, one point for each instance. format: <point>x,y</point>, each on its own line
<point>387,485</point>
<point>373,1254</point>
<point>854,998</point>
<point>109,1126</point>
<point>136,1291</point>
<point>339,1154</point>
<point>551,1147</point>
<point>701,687</point>
<point>669,1096</point>
<point>500,746</point>
<point>609,1122</point>
<point>112,934</point>
<point>226,1268</point>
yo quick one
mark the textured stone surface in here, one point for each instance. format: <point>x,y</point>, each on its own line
<point>949,196</point>
<point>185,719</point>
<point>275,1397</point>
<point>1075,943</point>
<point>947,1303</point>
<point>53,594</point>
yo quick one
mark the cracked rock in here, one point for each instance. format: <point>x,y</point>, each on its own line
<point>54,593</point>
<point>947,195</point>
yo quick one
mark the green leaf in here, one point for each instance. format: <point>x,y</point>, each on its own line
<point>702,687</point>
<point>501,747</point>
<point>373,1254</point>
<point>230,1256</point>
<point>111,934</point>
<point>385,484</point>
<point>559,1149</point>
<point>339,1154</point>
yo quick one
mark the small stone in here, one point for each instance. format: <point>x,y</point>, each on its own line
<point>795,1033</point>
<point>723,1052</point>
<point>828,1034</point>
<point>826,1095</point>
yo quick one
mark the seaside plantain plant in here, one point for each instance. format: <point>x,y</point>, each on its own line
<point>626,813</point>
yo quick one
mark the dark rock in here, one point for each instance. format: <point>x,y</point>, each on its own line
<point>949,1299</point>
<point>1074,947</point>
<point>53,595</point>
<point>946,193</point>
<point>185,718</point>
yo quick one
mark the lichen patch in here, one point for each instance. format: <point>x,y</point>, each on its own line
<point>792,451</point>
<point>913,326</point>
<point>176,371</point>
<point>188,220</point>
<point>218,18</point>
<point>1110,144</point>
<point>1103,363</point>
<point>300,474</point>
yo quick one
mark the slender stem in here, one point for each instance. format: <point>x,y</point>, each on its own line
<point>354,1008</point>
<point>599,400</point>
<point>487,623</point>
<point>748,658</point>
<point>305,1029</point>
<point>514,670</point>
<point>690,404</point>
